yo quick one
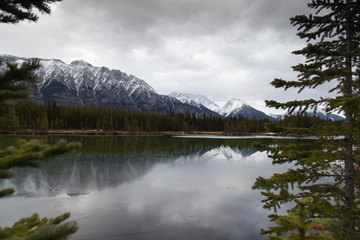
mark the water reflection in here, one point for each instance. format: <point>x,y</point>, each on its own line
<point>152,188</point>
<point>80,173</point>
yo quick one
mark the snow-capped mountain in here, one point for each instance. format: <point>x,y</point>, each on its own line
<point>195,100</point>
<point>234,107</point>
<point>237,107</point>
<point>83,85</point>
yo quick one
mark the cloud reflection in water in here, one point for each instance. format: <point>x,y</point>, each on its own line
<point>148,195</point>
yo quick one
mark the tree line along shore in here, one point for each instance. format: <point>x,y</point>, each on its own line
<point>124,133</point>
<point>32,118</point>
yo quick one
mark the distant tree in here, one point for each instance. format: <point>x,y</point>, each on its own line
<point>329,174</point>
<point>13,11</point>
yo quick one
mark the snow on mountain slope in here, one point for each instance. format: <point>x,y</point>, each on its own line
<point>81,84</point>
<point>80,73</point>
<point>237,107</point>
<point>84,85</point>
<point>232,106</point>
<point>195,100</point>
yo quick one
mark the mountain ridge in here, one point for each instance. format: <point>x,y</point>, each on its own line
<point>196,100</point>
<point>235,107</point>
<point>81,84</point>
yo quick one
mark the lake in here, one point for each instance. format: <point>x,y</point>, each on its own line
<point>184,187</point>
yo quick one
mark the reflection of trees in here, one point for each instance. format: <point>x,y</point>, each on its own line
<point>82,173</point>
<point>167,144</point>
<point>112,161</point>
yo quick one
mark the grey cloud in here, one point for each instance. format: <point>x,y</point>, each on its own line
<point>180,17</point>
<point>203,46</point>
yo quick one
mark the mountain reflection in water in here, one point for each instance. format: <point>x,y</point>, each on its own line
<point>148,188</point>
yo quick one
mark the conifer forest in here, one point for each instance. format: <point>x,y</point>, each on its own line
<point>52,116</point>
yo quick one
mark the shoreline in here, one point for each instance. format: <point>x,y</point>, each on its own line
<point>80,132</point>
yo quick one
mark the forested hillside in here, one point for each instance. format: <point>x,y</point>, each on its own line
<point>52,116</point>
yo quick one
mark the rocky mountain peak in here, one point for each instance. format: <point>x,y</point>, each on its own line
<point>81,84</point>
<point>235,104</point>
<point>196,100</point>
<point>80,63</point>
<point>237,101</point>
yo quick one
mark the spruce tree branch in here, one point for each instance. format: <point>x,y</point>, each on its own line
<point>15,11</point>
<point>6,192</point>
<point>31,228</point>
<point>15,81</point>
<point>297,105</point>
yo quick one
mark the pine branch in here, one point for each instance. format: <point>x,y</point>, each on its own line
<point>34,228</point>
<point>300,106</point>
<point>28,154</point>
<point>6,192</point>
<point>50,232</point>
<point>17,10</point>
<point>15,81</point>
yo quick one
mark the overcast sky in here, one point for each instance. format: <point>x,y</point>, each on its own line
<point>220,49</point>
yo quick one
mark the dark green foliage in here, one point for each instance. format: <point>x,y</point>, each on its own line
<point>301,224</point>
<point>318,173</point>
<point>52,116</point>
<point>299,124</point>
<point>13,11</point>
<point>33,227</point>
<point>328,171</point>
<point>14,82</point>
<point>15,85</point>
<point>6,192</point>
<point>28,154</point>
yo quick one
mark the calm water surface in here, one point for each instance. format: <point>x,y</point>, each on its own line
<point>148,188</point>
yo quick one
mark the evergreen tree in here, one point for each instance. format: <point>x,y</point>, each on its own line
<point>14,85</point>
<point>330,173</point>
<point>301,225</point>
<point>15,80</point>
